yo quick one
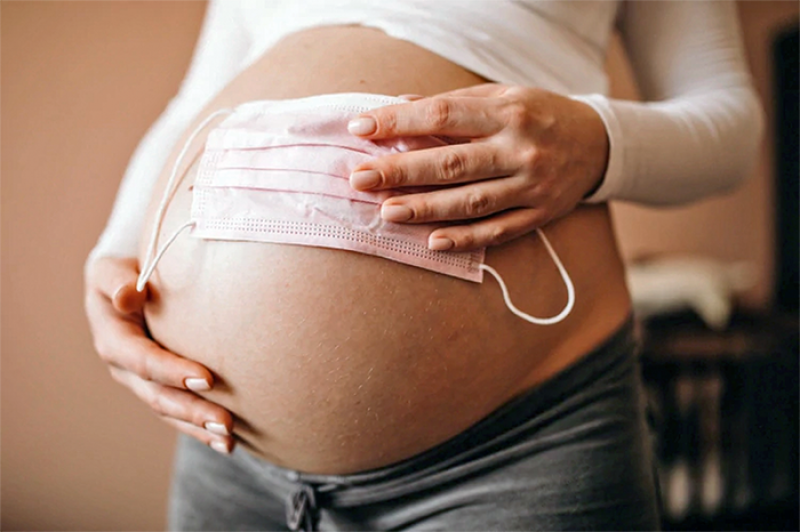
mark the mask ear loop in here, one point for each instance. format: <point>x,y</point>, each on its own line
<point>564,275</point>
<point>149,261</point>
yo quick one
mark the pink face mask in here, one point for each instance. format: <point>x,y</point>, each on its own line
<point>278,171</point>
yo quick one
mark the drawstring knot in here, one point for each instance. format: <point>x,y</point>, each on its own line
<point>301,512</point>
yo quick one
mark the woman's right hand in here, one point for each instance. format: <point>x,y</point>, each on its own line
<point>163,380</point>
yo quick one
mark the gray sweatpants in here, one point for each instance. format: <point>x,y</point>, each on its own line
<point>571,454</point>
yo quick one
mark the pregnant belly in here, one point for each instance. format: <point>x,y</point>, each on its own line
<point>335,362</point>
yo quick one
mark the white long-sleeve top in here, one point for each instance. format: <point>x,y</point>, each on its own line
<point>695,134</point>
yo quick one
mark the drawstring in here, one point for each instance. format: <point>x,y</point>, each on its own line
<point>301,512</point>
<point>564,275</point>
<point>150,262</point>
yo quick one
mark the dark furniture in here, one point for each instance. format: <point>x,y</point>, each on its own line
<point>725,410</point>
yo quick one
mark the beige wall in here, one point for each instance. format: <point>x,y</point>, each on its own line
<point>735,227</point>
<point>81,82</point>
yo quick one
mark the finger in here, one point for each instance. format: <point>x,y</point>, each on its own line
<point>483,90</point>
<point>455,117</point>
<point>434,166</point>
<point>473,200</point>
<point>221,444</point>
<point>411,97</point>
<point>127,300</point>
<point>122,343</point>
<point>492,231</point>
<point>116,279</point>
<point>177,404</point>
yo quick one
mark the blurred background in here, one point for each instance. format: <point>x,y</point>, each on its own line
<point>80,82</point>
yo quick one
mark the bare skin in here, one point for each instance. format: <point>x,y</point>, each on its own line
<point>334,362</point>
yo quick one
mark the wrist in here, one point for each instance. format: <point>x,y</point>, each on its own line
<point>600,168</point>
<point>596,142</point>
<point>607,177</point>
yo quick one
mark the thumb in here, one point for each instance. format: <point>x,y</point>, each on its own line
<point>482,90</point>
<point>411,97</point>
<point>127,300</point>
<point>116,278</point>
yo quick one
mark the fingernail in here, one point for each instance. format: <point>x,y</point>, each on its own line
<point>440,243</point>
<point>220,447</point>
<point>119,298</point>
<point>197,385</point>
<point>118,293</point>
<point>365,179</point>
<point>362,126</point>
<point>396,213</point>
<point>217,428</point>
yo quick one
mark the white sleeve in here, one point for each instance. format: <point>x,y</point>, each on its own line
<point>698,131</point>
<point>217,58</point>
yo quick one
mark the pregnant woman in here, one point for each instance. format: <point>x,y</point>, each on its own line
<point>410,313</point>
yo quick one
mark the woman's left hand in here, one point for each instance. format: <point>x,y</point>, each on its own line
<point>523,157</point>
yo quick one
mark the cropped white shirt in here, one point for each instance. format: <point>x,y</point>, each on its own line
<point>696,133</point>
